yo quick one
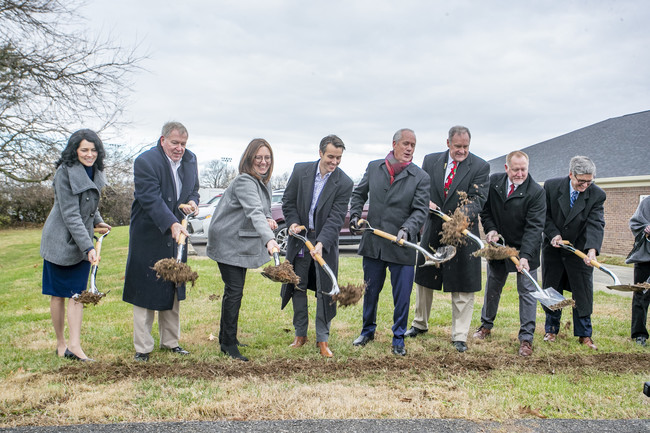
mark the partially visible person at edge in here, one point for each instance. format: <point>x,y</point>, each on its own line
<point>453,172</point>
<point>398,195</point>
<point>166,176</point>
<point>241,235</point>
<point>515,211</point>
<point>574,213</point>
<point>640,256</point>
<point>316,197</point>
<point>67,241</point>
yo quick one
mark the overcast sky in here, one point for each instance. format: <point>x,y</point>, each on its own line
<point>514,72</point>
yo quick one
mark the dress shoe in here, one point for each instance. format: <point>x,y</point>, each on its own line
<point>481,333</point>
<point>69,355</point>
<point>142,357</point>
<point>298,342</point>
<point>550,337</point>
<point>414,332</point>
<point>587,341</point>
<point>179,350</point>
<point>525,348</point>
<point>324,349</point>
<point>460,346</point>
<point>641,341</point>
<point>233,352</point>
<point>362,340</point>
<point>398,350</point>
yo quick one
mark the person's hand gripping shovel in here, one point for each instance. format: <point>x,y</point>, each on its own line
<point>280,272</point>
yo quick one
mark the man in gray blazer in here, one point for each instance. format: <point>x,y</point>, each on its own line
<point>398,195</point>
<point>316,197</point>
<point>165,177</point>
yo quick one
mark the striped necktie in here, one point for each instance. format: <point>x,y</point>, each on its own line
<point>574,196</point>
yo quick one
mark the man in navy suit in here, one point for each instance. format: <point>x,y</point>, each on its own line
<point>165,176</point>
<point>316,197</point>
<point>574,212</point>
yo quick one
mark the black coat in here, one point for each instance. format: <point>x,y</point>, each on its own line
<point>403,204</point>
<point>329,216</point>
<point>518,218</point>
<point>153,212</point>
<point>583,226</point>
<point>463,272</point>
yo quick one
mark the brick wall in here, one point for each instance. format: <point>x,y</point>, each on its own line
<point>619,207</point>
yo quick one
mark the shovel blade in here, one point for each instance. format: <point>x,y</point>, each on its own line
<point>552,299</point>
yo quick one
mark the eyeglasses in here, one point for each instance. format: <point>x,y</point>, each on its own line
<point>259,158</point>
<point>584,181</point>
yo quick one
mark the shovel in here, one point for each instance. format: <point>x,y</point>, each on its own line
<point>465,232</point>
<point>281,272</point>
<point>335,286</point>
<point>175,270</point>
<point>92,295</point>
<point>617,283</point>
<point>549,297</point>
<point>441,255</point>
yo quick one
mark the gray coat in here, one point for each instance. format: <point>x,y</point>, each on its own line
<point>239,230</point>
<point>68,231</point>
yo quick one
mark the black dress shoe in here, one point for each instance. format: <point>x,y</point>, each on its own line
<point>143,357</point>
<point>460,346</point>
<point>71,355</point>
<point>233,352</point>
<point>179,350</point>
<point>414,332</point>
<point>398,350</point>
<point>362,340</point>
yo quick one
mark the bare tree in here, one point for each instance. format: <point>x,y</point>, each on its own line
<point>280,182</point>
<point>217,174</point>
<point>53,79</point>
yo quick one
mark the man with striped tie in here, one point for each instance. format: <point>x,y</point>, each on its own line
<point>574,212</point>
<point>454,174</point>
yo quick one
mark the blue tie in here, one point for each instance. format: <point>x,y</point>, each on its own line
<point>574,196</point>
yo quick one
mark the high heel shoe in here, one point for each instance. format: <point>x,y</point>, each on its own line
<point>70,355</point>
<point>233,352</point>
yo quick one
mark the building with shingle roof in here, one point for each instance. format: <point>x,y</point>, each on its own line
<point>620,148</point>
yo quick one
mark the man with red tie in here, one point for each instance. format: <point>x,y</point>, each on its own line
<point>452,172</point>
<point>515,210</point>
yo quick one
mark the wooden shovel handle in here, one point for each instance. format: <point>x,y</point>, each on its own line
<point>98,249</point>
<point>182,237</point>
<point>101,230</point>
<point>310,247</point>
<point>446,218</point>
<point>383,234</point>
<point>582,255</point>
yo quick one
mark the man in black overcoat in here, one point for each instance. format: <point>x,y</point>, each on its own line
<point>165,176</point>
<point>316,197</point>
<point>575,213</point>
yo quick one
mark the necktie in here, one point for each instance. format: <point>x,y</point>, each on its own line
<point>574,196</point>
<point>512,188</point>
<point>450,177</point>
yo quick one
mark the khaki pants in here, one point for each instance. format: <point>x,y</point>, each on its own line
<point>169,328</point>
<point>462,306</point>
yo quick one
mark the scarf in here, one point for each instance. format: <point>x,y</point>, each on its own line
<point>394,166</point>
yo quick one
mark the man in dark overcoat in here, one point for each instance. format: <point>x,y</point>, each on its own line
<point>316,197</point>
<point>398,192</point>
<point>453,173</point>
<point>166,176</point>
<point>515,210</point>
<point>575,213</point>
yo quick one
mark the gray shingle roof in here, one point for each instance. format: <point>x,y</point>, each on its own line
<point>619,147</point>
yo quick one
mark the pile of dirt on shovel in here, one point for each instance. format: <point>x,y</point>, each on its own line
<point>492,252</point>
<point>176,272</point>
<point>283,273</point>
<point>87,297</point>
<point>350,294</point>
<point>452,230</point>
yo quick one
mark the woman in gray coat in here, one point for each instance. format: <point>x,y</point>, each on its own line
<point>241,235</point>
<point>67,240</point>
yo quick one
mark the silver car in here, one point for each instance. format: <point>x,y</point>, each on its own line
<point>198,225</point>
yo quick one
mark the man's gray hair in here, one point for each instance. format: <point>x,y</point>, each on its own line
<point>333,140</point>
<point>458,129</point>
<point>173,126</point>
<point>398,135</point>
<point>582,165</point>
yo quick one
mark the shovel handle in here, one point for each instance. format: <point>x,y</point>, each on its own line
<point>98,250</point>
<point>446,218</point>
<point>581,254</point>
<point>383,234</point>
<point>101,230</point>
<point>310,247</point>
<point>182,237</point>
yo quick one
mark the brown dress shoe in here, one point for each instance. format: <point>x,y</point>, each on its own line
<point>324,349</point>
<point>525,348</point>
<point>481,333</point>
<point>587,341</point>
<point>550,337</point>
<point>298,342</point>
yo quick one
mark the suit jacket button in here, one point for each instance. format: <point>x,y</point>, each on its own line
<point>92,214</point>
<point>87,198</point>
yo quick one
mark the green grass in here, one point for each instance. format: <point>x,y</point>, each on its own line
<point>562,380</point>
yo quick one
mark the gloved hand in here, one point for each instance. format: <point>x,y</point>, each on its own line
<point>354,226</point>
<point>402,234</point>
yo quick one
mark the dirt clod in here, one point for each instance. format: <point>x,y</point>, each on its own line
<point>452,230</point>
<point>562,304</point>
<point>492,252</point>
<point>87,297</point>
<point>281,274</point>
<point>176,272</point>
<point>350,294</point>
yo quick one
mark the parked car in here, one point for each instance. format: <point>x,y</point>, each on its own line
<point>198,225</point>
<point>281,233</point>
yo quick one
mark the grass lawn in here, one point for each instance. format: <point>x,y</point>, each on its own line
<point>488,382</point>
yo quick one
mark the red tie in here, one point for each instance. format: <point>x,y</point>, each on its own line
<point>512,188</point>
<point>450,177</point>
